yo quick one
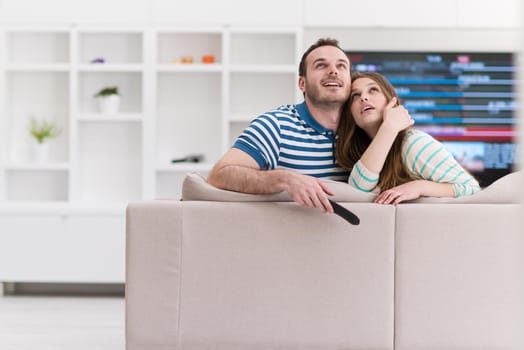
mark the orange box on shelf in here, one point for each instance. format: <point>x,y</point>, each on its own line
<point>208,59</point>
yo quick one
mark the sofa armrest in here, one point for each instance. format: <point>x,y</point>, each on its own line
<point>153,257</point>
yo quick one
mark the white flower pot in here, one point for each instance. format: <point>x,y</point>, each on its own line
<point>109,104</point>
<point>41,152</point>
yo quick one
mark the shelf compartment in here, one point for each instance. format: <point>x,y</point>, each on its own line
<point>249,100</point>
<point>169,184</point>
<point>189,109</point>
<point>263,48</point>
<point>44,95</point>
<point>37,185</point>
<point>38,47</point>
<point>129,85</point>
<point>110,168</point>
<point>113,47</point>
<point>173,46</point>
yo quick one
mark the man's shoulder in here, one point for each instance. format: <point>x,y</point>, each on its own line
<point>289,110</point>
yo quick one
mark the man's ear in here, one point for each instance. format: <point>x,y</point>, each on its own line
<point>302,83</point>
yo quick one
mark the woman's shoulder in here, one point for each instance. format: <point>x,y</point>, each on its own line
<point>415,135</point>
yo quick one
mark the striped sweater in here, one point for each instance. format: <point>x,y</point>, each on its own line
<point>426,159</point>
<point>289,137</point>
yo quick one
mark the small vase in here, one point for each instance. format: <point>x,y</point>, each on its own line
<point>109,104</point>
<point>41,152</point>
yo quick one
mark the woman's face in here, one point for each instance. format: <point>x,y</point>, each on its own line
<point>367,104</point>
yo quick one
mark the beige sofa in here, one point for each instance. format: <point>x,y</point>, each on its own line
<point>224,270</point>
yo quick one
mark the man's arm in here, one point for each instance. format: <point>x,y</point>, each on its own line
<point>238,171</point>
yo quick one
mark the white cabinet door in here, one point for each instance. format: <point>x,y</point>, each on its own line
<point>76,248</point>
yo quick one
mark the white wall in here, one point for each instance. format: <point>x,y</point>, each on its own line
<point>382,24</point>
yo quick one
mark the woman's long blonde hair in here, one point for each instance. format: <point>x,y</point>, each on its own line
<point>352,140</point>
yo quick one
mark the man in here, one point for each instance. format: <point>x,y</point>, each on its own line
<point>292,148</point>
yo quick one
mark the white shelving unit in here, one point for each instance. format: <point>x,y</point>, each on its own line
<point>168,110</point>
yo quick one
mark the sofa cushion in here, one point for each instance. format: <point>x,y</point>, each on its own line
<point>196,188</point>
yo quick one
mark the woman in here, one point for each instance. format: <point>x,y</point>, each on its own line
<point>384,154</point>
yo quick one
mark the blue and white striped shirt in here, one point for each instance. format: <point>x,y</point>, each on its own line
<point>289,137</point>
<point>425,158</point>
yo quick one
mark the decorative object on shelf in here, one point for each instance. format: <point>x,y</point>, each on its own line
<point>98,60</point>
<point>208,59</point>
<point>183,60</point>
<point>109,100</point>
<point>192,158</point>
<point>42,130</point>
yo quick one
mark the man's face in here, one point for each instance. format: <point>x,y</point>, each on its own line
<point>327,80</point>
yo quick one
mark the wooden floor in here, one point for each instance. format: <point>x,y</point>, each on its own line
<point>61,323</point>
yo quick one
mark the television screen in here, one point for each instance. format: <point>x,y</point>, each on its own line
<point>465,100</point>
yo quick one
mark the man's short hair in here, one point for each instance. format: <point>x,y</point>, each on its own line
<point>320,42</point>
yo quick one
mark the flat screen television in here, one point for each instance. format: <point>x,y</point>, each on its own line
<point>466,100</point>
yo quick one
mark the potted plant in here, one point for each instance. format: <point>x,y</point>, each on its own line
<point>109,100</point>
<point>41,131</point>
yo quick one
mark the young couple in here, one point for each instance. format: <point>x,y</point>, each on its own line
<point>350,127</point>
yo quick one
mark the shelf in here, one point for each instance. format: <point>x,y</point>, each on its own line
<point>190,67</point>
<point>101,162</point>
<point>52,166</point>
<point>36,67</point>
<point>185,167</point>
<point>261,68</point>
<point>108,118</point>
<point>107,67</point>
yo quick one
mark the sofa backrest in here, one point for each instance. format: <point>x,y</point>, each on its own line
<point>508,189</point>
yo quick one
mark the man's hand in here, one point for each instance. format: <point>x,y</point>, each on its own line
<point>308,191</point>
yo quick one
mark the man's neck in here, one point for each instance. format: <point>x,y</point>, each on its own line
<point>326,115</point>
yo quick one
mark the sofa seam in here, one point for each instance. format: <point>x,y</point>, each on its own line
<point>179,306</point>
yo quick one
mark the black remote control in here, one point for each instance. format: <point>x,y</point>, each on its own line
<point>344,213</point>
